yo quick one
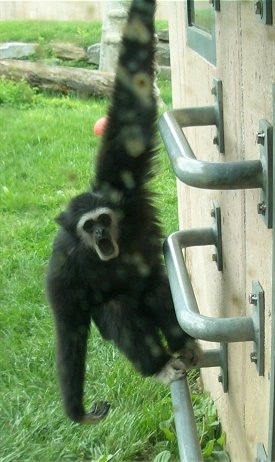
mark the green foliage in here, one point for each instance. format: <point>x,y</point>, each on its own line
<point>163,456</point>
<point>168,429</point>
<point>209,428</point>
<point>16,94</point>
<point>161,24</point>
<point>22,96</point>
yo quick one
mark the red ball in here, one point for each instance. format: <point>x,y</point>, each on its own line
<point>100,126</point>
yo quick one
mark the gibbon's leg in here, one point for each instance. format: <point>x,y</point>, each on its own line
<point>72,334</point>
<point>160,303</point>
<point>138,338</point>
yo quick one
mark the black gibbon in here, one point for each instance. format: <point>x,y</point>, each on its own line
<point>106,264</point>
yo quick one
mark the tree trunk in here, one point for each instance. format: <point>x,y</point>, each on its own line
<point>115,15</point>
<point>59,79</point>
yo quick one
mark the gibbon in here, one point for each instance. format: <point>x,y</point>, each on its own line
<point>106,266</point>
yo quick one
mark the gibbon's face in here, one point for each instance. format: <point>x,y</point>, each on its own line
<point>99,230</point>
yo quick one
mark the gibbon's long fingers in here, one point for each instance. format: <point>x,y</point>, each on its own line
<point>173,370</point>
<point>97,413</point>
<point>191,354</point>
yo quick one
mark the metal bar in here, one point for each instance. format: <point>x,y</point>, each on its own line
<point>271,426</point>
<point>201,174</point>
<point>211,358</point>
<point>234,329</point>
<point>188,441</point>
<point>265,141</point>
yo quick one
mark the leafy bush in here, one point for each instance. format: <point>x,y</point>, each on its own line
<point>21,95</point>
<point>18,94</point>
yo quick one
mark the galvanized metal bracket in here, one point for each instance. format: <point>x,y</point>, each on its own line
<point>218,95</point>
<point>256,299</point>
<point>217,228</point>
<point>265,140</point>
<point>217,357</point>
<point>261,454</point>
<point>223,375</point>
<point>263,10</point>
<point>216,4</point>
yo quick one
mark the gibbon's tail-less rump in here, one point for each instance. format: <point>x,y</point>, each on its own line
<point>106,265</point>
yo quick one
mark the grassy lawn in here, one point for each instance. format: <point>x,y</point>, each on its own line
<point>46,159</point>
<point>47,156</point>
<point>78,32</point>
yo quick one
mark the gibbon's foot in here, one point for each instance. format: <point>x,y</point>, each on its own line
<point>175,369</point>
<point>190,354</point>
<point>97,413</point>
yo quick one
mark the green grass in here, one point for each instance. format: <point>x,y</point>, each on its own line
<point>80,33</point>
<point>47,156</point>
<point>46,159</point>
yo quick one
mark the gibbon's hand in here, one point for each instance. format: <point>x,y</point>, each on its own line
<point>100,126</point>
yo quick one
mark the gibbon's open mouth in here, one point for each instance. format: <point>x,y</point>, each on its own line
<point>106,247</point>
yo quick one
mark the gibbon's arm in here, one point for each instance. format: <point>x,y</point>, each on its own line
<point>128,143</point>
<point>72,329</point>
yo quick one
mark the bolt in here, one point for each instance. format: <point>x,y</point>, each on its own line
<point>261,208</point>
<point>260,137</point>
<point>214,257</point>
<point>213,213</point>
<point>213,91</point>
<point>259,7</point>
<point>253,357</point>
<point>252,298</point>
<point>215,140</point>
<point>220,378</point>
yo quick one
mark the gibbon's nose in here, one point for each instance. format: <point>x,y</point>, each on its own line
<point>100,233</point>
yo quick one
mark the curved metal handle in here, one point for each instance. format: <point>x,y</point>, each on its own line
<point>235,329</point>
<point>201,174</point>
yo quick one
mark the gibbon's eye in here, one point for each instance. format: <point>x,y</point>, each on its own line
<point>88,226</point>
<point>104,219</point>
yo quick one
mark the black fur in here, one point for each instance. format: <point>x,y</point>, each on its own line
<point>127,297</point>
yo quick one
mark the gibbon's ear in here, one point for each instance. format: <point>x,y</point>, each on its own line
<point>63,219</point>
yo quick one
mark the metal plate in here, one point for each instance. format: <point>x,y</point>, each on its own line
<point>257,301</point>
<point>224,367</point>
<point>216,214</point>
<point>218,94</point>
<point>265,141</point>
<point>263,10</point>
<point>261,454</point>
<point>217,357</point>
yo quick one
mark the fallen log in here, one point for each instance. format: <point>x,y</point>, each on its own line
<point>58,78</point>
